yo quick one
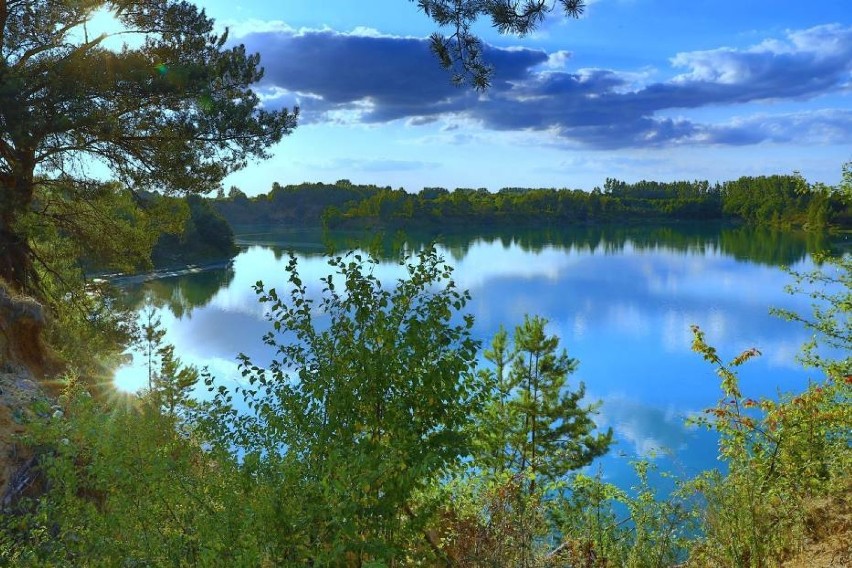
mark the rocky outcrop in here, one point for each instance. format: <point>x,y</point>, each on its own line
<point>22,320</point>
<point>22,362</point>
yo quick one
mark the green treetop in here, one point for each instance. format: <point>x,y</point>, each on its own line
<point>535,422</point>
<point>175,113</point>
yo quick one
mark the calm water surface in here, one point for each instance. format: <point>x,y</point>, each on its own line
<point>621,300</point>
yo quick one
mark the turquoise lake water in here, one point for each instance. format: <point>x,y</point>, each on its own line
<point>621,300</point>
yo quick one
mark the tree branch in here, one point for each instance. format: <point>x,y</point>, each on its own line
<point>4,17</point>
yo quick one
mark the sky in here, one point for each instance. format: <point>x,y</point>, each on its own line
<point>635,89</point>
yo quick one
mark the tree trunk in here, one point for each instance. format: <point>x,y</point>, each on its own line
<point>16,194</point>
<point>16,263</point>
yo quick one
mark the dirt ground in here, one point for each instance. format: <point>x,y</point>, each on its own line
<point>830,545</point>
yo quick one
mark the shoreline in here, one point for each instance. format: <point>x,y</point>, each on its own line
<point>121,279</point>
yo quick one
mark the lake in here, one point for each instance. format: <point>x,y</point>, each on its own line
<point>622,300</point>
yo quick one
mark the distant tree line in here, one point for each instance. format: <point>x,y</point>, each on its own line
<point>301,205</point>
<point>204,236</point>
<point>782,201</point>
<point>198,230</point>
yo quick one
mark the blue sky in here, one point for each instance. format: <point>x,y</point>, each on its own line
<point>636,89</point>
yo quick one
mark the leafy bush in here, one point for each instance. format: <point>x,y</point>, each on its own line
<point>780,454</point>
<point>372,440</point>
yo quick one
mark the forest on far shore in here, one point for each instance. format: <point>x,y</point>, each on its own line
<point>783,201</point>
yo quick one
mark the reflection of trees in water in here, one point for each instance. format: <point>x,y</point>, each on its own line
<point>180,294</point>
<point>282,240</point>
<point>774,247</point>
<point>305,250</point>
<point>760,245</point>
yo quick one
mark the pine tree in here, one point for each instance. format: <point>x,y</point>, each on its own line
<point>493,434</point>
<point>176,114</point>
<point>546,430</point>
<point>170,383</point>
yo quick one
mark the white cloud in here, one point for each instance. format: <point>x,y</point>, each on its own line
<point>557,59</point>
<point>242,28</point>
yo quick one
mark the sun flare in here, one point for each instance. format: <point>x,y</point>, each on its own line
<point>130,378</point>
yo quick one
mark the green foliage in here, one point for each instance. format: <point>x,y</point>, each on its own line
<point>740,523</point>
<point>779,455</point>
<point>644,201</point>
<point>779,201</point>
<point>368,402</point>
<point>311,204</point>
<point>203,236</point>
<point>121,486</point>
<point>67,239</point>
<point>845,188</point>
<point>184,117</point>
<point>170,387</point>
<point>492,436</point>
<point>603,525</point>
<point>493,520</point>
<point>461,51</point>
<point>89,328</point>
<point>822,415</point>
<point>529,435</point>
<point>371,439</point>
<point>68,230</point>
<point>831,289</point>
<point>534,423</point>
<point>784,201</point>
